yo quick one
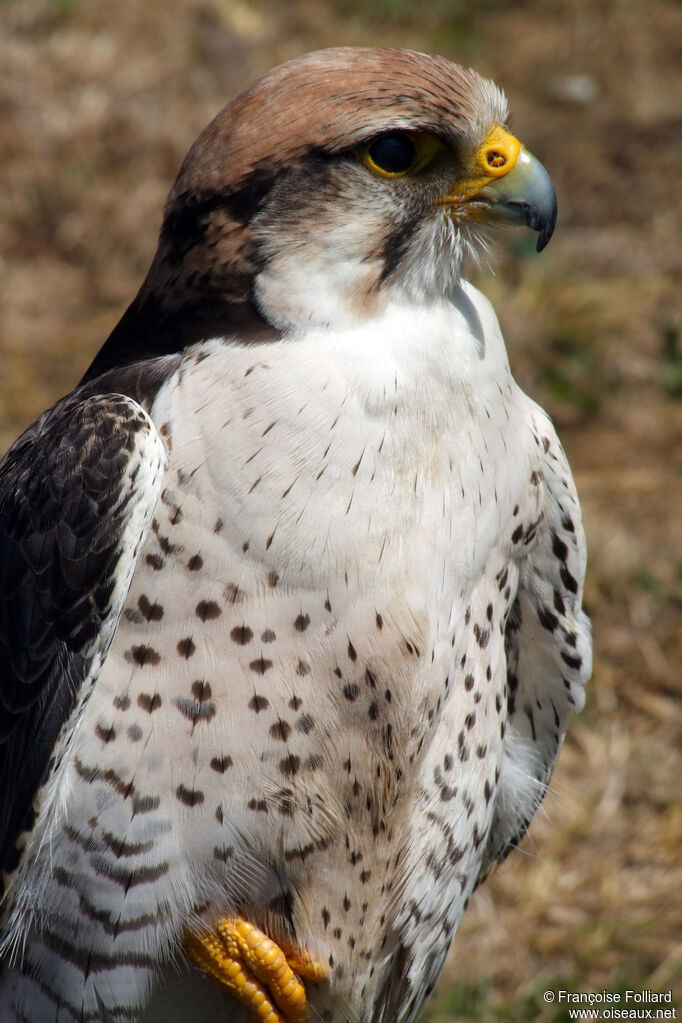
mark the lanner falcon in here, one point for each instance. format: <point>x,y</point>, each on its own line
<point>290,626</point>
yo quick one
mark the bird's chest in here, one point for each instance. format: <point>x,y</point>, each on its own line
<point>323,474</point>
<point>326,526</point>
<point>335,517</point>
<point>335,528</point>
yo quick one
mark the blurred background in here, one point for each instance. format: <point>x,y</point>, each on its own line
<point>98,104</point>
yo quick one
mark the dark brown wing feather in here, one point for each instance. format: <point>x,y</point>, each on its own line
<point>76,494</point>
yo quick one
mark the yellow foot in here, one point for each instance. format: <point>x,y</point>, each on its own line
<point>248,965</point>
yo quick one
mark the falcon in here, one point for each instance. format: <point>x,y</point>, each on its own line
<point>290,625</point>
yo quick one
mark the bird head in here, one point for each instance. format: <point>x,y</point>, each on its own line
<point>337,180</point>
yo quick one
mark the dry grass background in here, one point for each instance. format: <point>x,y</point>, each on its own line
<point>98,104</point>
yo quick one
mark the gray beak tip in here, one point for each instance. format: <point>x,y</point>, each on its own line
<point>525,196</point>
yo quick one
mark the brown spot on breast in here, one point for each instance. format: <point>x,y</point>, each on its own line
<point>221,764</point>
<point>241,634</point>
<point>196,709</point>
<point>201,690</point>
<point>280,730</point>
<point>290,765</point>
<point>223,853</point>
<point>260,665</point>
<point>195,563</point>
<point>299,852</point>
<point>302,622</point>
<point>462,748</point>
<point>258,703</point>
<point>207,610</point>
<point>105,734</point>
<point>190,797</point>
<point>482,635</point>
<point>152,612</point>
<point>142,654</point>
<point>186,647</point>
<point>164,543</point>
<point>148,702</point>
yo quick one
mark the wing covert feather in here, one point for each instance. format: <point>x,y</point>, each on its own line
<point>77,492</point>
<point>548,648</point>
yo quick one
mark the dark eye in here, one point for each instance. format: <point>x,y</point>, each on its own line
<point>393,154</point>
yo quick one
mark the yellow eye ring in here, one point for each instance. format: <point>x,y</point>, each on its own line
<point>400,154</point>
<point>392,155</point>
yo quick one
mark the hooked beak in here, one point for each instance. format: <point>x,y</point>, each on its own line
<point>524,196</point>
<point>509,185</point>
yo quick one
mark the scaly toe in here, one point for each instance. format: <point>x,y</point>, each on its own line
<point>250,967</point>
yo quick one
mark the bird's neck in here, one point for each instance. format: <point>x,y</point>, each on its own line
<point>151,327</point>
<point>193,290</point>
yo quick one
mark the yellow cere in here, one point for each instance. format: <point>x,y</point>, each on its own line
<point>498,154</point>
